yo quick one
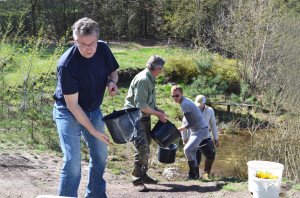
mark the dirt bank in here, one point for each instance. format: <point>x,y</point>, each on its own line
<point>27,175</point>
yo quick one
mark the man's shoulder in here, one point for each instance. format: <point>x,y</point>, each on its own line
<point>208,108</point>
<point>186,102</point>
<point>103,47</point>
<point>67,57</point>
<point>142,76</point>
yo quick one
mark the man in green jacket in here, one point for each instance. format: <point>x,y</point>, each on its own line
<point>141,94</point>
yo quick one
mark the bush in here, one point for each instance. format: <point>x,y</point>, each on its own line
<point>226,68</point>
<point>244,96</point>
<point>205,61</point>
<point>179,70</point>
<point>210,87</point>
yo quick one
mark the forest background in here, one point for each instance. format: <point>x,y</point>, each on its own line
<point>237,51</point>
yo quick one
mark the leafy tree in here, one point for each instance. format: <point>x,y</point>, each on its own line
<point>58,18</point>
<point>194,20</point>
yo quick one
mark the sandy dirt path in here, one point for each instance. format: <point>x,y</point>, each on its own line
<point>28,175</point>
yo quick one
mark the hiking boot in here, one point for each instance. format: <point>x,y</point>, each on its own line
<point>148,180</point>
<point>137,182</point>
<point>141,188</point>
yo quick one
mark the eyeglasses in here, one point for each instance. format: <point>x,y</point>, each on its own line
<point>175,96</point>
<point>85,46</point>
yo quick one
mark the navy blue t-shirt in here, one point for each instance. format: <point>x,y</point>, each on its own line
<point>87,76</point>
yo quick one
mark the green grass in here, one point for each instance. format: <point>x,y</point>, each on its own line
<point>138,58</point>
<point>296,187</point>
<point>134,56</point>
<point>235,187</point>
<point>231,187</point>
<point>116,171</point>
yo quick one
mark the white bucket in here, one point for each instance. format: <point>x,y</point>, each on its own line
<point>266,188</point>
<point>257,185</point>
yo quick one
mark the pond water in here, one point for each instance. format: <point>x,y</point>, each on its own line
<point>232,148</point>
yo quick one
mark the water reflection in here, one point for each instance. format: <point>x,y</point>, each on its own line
<point>232,147</point>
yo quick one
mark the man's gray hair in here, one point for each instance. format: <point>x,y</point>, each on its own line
<point>85,26</point>
<point>155,62</point>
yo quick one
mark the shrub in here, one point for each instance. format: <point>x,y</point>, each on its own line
<point>227,67</point>
<point>210,87</point>
<point>180,70</point>
<point>244,96</point>
<point>205,61</point>
<point>227,70</point>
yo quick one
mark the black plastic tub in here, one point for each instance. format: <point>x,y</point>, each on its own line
<point>164,134</point>
<point>207,146</point>
<point>123,124</point>
<point>167,155</point>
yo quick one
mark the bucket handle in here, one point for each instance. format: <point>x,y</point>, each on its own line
<point>132,119</point>
<point>112,99</point>
<point>206,142</point>
<point>270,185</point>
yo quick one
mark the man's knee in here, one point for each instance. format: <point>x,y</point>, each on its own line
<point>143,149</point>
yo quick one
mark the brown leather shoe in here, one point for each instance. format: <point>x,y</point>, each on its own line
<point>148,180</point>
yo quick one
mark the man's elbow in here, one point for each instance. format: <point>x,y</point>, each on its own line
<point>71,105</point>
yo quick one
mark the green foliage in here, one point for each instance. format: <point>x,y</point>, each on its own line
<point>192,20</point>
<point>205,61</point>
<point>180,70</point>
<point>210,87</point>
<point>235,187</point>
<point>245,95</point>
<point>227,68</point>
<point>213,65</point>
<point>230,187</point>
<point>116,171</point>
<point>296,187</point>
<point>26,82</point>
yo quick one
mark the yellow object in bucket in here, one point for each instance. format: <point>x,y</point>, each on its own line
<point>264,175</point>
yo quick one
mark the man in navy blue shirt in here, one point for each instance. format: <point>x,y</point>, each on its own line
<point>84,71</point>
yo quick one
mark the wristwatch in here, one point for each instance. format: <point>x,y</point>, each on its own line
<point>111,81</point>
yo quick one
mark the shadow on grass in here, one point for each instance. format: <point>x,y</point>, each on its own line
<point>230,179</point>
<point>216,185</point>
<point>184,188</point>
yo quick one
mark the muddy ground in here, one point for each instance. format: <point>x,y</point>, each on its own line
<point>28,175</point>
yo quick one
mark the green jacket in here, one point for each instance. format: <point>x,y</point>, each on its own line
<point>141,92</point>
